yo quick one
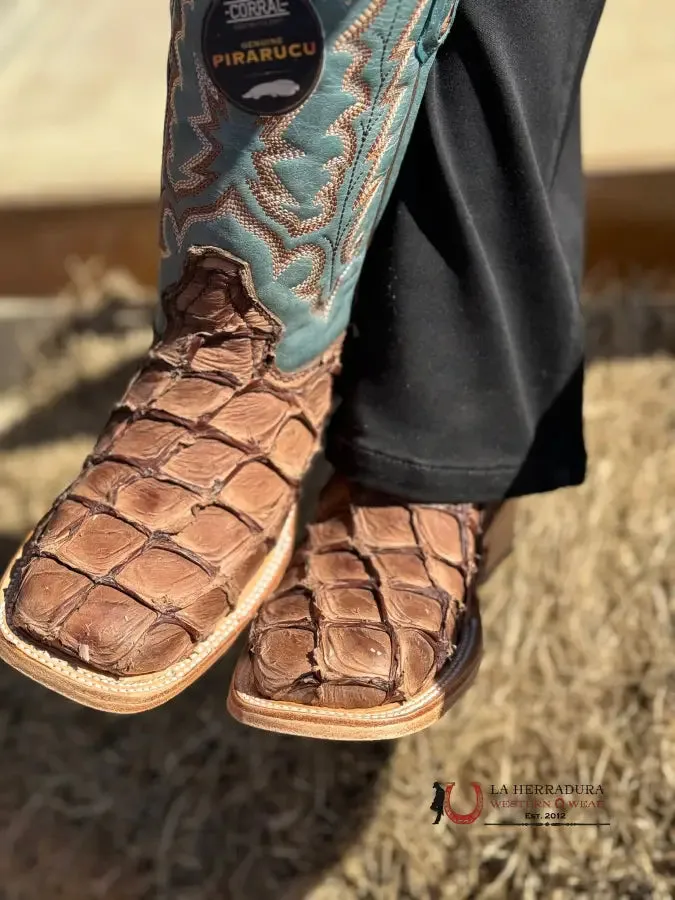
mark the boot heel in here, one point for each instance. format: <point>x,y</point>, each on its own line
<point>498,540</point>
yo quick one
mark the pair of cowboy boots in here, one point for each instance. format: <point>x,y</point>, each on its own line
<point>286,121</point>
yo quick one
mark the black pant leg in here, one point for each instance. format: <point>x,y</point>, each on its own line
<point>463,372</point>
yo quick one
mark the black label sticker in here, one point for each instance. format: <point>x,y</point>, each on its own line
<point>264,55</point>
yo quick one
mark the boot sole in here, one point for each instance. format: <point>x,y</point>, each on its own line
<point>394,720</point>
<point>138,693</point>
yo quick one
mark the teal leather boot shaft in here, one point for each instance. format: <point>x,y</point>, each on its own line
<point>286,123</point>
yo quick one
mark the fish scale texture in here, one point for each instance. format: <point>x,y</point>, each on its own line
<point>369,609</point>
<point>186,490</point>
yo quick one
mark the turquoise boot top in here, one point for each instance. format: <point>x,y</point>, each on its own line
<point>286,124</point>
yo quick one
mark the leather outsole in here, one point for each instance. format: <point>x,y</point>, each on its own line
<point>133,694</point>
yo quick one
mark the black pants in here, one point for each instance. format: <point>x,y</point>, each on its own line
<point>463,371</point>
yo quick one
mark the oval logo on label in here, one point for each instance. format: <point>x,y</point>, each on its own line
<point>264,55</point>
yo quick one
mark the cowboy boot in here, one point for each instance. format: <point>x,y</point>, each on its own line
<point>375,630</point>
<point>285,125</point>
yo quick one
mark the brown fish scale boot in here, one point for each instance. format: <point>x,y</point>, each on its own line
<point>375,630</point>
<point>182,521</point>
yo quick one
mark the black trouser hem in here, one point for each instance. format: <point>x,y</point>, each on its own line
<point>422,483</point>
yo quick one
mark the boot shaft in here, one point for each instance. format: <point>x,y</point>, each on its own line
<point>286,123</point>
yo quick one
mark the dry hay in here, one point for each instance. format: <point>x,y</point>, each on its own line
<point>184,804</point>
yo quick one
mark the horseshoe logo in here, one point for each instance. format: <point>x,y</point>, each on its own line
<point>463,818</point>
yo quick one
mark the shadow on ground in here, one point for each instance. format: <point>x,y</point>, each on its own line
<point>9,544</point>
<point>82,410</point>
<point>179,802</point>
<point>624,323</point>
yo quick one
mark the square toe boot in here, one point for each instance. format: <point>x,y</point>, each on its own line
<point>375,630</point>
